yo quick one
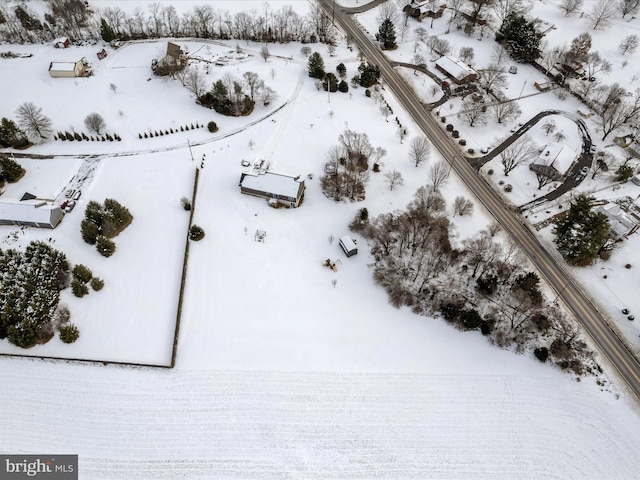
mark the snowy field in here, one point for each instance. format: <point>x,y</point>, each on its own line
<point>284,368</point>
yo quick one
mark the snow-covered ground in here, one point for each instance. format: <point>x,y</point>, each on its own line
<point>279,371</point>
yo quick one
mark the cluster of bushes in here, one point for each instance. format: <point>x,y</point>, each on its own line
<point>82,277</point>
<point>10,170</point>
<point>170,131</point>
<point>102,222</point>
<point>487,285</point>
<point>71,136</point>
<point>225,102</point>
<point>196,233</point>
<point>30,284</point>
<point>11,135</point>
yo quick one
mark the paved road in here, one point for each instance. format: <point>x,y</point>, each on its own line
<point>609,344</point>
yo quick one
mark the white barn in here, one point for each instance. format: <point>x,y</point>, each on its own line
<point>30,212</point>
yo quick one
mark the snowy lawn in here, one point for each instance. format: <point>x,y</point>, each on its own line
<point>284,367</point>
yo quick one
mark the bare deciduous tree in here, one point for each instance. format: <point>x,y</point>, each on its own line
<point>570,6</point>
<point>601,14</point>
<point>388,11</point>
<point>194,82</point>
<point>629,44</point>
<point>520,151</point>
<point>474,113</point>
<point>95,122</point>
<point>466,54</point>
<point>268,95</point>
<point>264,53</point>
<point>549,126</point>
<point>627,7</point>
<point>419,150</point>
<point>394,179</point>
<point>493,77</point>
<point>594,64</point>
<point>499,54</point>
<point>502,8</point>
<point>33,121</point>
<point>253,82</point>
<point>439,175</point>
<point>506,111</point>
<point>462,206</point>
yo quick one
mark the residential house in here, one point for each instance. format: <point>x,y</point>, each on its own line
<point>275,187</point>
<point>424,9</point>
<point>29,211</point>
<point>554,161</point>
<point>174,60</point>
<point>457,70</point>
<point>621,224</point>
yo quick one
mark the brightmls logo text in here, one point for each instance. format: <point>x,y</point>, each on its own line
<point>49,467</point>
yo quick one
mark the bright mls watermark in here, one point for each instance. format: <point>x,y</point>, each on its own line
<point>49,467</point>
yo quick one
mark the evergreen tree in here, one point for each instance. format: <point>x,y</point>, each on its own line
<point>69,333</point>
<point>11,135</point>
<point>106,32</point>
<point>10,170</point>
<point>104,246</point>
<point>342,70</point>
<point>521,37</point>
<point>316,66</point>
<point>387,35</point>
<point>581,234</point>
<point>343,87</point>
<point>330,82</point>
<point>369,74</point>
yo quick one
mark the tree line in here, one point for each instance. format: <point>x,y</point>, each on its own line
<point>74,18</point>
<point>480,283</point>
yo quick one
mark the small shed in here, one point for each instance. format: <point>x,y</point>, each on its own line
<point>457,70</point>
<point>275,187</point>
<point>348,245</point>
<point>31,212</point>
<point>68,69</point>
<point>62,42</point>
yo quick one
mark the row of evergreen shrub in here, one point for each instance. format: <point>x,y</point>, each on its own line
<point>161,133</point>
<point>71,136</point>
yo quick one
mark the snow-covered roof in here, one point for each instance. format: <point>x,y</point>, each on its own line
<point>13,210</point>
<point>63,66</point>
<point>275,183</point>
<point>455,67</point>
<point>620,223</point>
<point>560,156</point>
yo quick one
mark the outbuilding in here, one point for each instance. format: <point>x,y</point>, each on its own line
<point>69,69</point>
<point>348,245</point>
<point>62,42</point>
<point>29,211</point>
<point>275,187</point>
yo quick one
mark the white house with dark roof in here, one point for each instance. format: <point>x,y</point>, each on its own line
<point>275,187</point>
<point>29,211</point>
